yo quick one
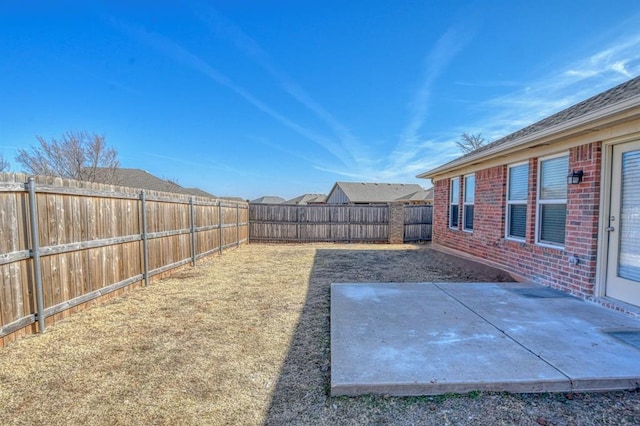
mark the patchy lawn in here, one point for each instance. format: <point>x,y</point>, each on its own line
<point>244,339</point>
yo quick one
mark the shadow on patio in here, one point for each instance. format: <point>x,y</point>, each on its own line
<point>301,394</point>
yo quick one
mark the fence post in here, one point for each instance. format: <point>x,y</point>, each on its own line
<point>193,231</point>
<point>220,224</point>
<point>297,207</point>
<point>35,254</point>
<point>237,225</point>
<point>349,224</point>
<point>145,241</point>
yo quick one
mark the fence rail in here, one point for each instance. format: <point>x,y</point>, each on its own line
<point>64,243</point>
<point>335,223</point>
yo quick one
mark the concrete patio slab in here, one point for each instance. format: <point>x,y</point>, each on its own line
<point>435,338</point>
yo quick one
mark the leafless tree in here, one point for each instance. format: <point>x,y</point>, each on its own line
<point>469,142</point>
<point>4,164</point>
<point>77,155</point>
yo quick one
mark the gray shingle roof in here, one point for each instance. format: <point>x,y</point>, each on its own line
<point>307,199</point>
<point>362,192</point>
<point>141,179</point>
<point>615,95</point>
<point>268,199</point>
<point>422,195</point>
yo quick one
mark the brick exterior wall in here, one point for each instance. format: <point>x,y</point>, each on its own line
<point>396,223</point>
<point>545,265</point>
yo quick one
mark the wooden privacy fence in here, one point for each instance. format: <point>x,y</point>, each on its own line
<point>418,220</point>
<point>395,223</point>
<point>64,243</point>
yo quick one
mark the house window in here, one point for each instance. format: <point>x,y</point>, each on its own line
<point>517,182</point>
<point>552,200</point>
<point>454,203</point>
<point>468,201</point>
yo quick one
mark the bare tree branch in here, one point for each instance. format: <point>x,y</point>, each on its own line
<point>4,164</point>
<point>77,155</point>
<point>469,142</point>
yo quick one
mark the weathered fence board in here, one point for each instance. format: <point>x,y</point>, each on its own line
<point>334,223</point>
<point>92,243</point>
<point>418,223</point>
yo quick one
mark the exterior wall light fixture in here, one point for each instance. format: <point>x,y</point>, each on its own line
<point>575,178</point>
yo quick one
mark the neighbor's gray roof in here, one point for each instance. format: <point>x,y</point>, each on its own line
<point>422,195</point>
<point>197,192</point>
<point>307,199</point>
<point>362,192</point>
<point>268,199</point>
<point>615,95</point>
<point>141,179</point>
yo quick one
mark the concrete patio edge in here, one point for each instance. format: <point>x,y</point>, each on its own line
<point>434,338</point>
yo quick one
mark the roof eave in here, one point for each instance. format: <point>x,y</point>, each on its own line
<point>602,116</point>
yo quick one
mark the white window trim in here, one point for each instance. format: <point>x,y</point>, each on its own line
<point>465,203</point>
<point>538,203</point>
<point>509,203</point>
<point>451,203</point>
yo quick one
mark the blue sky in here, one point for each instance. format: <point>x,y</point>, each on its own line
<point>251,98</point>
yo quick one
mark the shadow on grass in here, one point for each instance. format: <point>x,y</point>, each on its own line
<point>302,392</point>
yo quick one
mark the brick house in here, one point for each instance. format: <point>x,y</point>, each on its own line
<point>557,202</point>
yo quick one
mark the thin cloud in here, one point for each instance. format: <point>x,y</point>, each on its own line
<point>505,83</point>
<point>293,153</point>
<point>616,61</point>
<point>185,57</point>
<point>448,46</point>
<point>353,150</point>
<point>412,155</point>
<point>613,63</point>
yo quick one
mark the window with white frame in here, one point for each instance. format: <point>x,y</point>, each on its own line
<point>468,202</point>
<point>454,203</point>
<point>517,191</point>
<point>552,200</point>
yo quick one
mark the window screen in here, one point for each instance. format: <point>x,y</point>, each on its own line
<point>454,203</point>
<point>468,201</point>
<point>552,200</point>
<point>517,221</point>
<point>517,201</point>
<point>553,178</point>
<point>553,218</point>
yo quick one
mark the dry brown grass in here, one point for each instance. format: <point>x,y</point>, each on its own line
<point>244,339</point>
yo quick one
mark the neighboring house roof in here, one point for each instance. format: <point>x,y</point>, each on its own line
<point>240,199</point>
<point>307,199</point>
<point>588,115</point>
<point>422,195</point>
<point>361,192</point>
<point>196,192</point>
<point>137,178</point>
<point>268,199</point>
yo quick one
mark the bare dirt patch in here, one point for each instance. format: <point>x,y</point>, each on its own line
<point>244,339</point>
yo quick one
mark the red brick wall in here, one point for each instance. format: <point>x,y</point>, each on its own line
<point>545,265</point>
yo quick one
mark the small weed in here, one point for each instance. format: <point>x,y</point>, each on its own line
<point>474,394</point>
